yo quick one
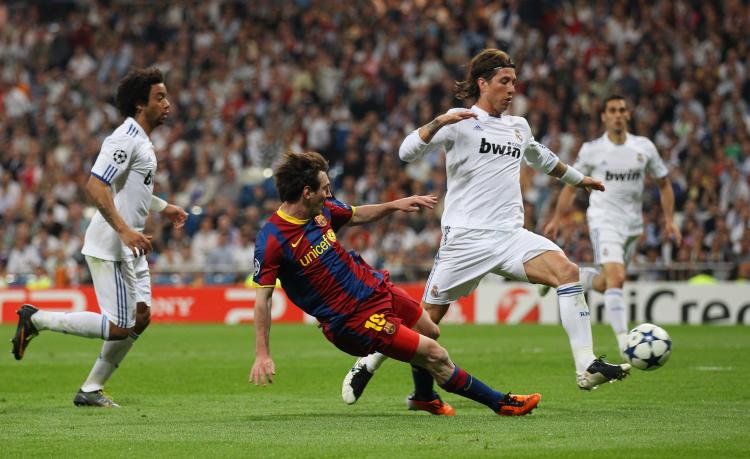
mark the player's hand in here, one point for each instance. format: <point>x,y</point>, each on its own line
<point>176,215</point>
<point>262,371</point>
<point>414,203</point>
<point>552,228</point>
<point>673,233</point>
<point>454,117</point>
<point>589,184</point>
<point>139,243</point>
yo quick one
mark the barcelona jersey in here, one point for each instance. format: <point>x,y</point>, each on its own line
<point>317,274</point>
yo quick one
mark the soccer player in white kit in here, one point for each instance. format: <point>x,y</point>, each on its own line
<point>483,220</point>
<point>121,185</point>
<point>621,161</point>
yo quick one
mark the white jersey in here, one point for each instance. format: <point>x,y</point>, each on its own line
<point>483,162</point>
<point>127,163</point>
<point>622,169</point>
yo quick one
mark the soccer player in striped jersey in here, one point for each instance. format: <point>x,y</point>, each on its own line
<point>483,219</point>
<point>358,308</point>
<point>621,161</point>
<point>121,185</point>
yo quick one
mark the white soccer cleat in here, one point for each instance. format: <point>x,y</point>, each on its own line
<point>355,382</point>
<point>600,372</point>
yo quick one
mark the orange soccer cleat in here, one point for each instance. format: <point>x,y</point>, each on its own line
<point>436,407</point>
<point>518,405</point>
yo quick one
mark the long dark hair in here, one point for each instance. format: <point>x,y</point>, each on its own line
<point>296,171</point>
<point>483,65</point>
<point>135,88</point>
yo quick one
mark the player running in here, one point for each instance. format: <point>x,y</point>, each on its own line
<point>621,161</point>
<point>483,220</point>
<point>121,185</point>
<point>358,308</point>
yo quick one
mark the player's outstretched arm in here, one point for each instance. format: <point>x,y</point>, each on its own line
<point>263,368</point>
<point>372,212</point>
<point>570,176</point>
<point>101,194</point>
<point>671,230</point>
<point>175,214</point>
<point>415,144</point>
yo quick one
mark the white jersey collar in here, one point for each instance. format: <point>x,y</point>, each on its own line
<point>141,131</point>
<point>483,115</point>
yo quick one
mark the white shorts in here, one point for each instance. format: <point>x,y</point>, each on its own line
<point>119,286</point>
<point>611,246</point>
<point>467,255</point>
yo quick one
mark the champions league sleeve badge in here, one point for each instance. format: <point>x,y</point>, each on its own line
<point>119,156</point>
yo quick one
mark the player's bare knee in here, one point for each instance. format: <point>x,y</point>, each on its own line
<point>568,272</point>
<point>117,333</point>
<point>616,279</point>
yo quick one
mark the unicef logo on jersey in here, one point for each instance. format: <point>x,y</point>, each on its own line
<point>120,156</point>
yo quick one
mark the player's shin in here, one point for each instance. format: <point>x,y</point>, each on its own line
<point>113,352</point>
<point>618,315</point>
<point>574,314</point>
<point>86,324</point>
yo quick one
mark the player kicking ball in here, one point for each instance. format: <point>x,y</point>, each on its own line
<point>359,309</point>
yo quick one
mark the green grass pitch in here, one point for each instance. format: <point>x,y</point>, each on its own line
<point>184,392</point>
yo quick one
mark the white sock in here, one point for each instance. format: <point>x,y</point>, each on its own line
<point>574,313</point>
<point>374,360</point>
<point>112,354</point>
<point>87,324</point>
<point>618,315</point>
<point>587,276</point>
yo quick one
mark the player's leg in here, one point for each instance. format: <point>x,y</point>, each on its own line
<point>553,268</point>
<point>413,316</point>
<point>419,350</point>
<point>88,324</point>
<point>113,352</point>
<point>616,252</point>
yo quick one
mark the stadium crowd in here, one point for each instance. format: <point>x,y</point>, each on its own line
<point>350,80</point>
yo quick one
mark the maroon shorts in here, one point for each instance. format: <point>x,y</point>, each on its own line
<point>374,326</point>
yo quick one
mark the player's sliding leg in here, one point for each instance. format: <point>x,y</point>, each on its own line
<point>112,354</point>
<point>32,320</point>
<point>410,346</point>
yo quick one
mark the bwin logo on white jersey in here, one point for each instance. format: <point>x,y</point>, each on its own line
<point>495,149</point>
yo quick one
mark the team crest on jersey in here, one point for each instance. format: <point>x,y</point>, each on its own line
<point>434,291</point>
<point>321,221</point>
<point>120,156</point>
<point>519,136</point>
<point>256,271</point>
<point>331,235</point>
<point>640,158</point>
<point>389,328</point>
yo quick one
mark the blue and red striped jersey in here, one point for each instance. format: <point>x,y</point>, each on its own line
<point>316,272</point>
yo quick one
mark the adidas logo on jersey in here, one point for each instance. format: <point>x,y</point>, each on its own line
<point>478,128</point>
<point>632,174</point>
<point>495,149</point>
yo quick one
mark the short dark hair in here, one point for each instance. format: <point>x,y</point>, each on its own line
<point>483,65</point>
<point>296,171</point>
<point>609,99</point>
<point>135,88</point>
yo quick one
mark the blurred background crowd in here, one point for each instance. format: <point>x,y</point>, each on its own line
<point>248,80</point>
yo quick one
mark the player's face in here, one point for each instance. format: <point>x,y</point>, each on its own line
<point>157,109</point>
<point>316,199</point>
<point>496,94</point>
<point>616,116</point>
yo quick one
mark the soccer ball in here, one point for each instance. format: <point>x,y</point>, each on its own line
<point>649,347</point>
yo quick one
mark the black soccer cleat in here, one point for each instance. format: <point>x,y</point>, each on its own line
<point>355,382</point>
<point>94,398</point>
<point>25,330</point>
<point>601,371</point>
